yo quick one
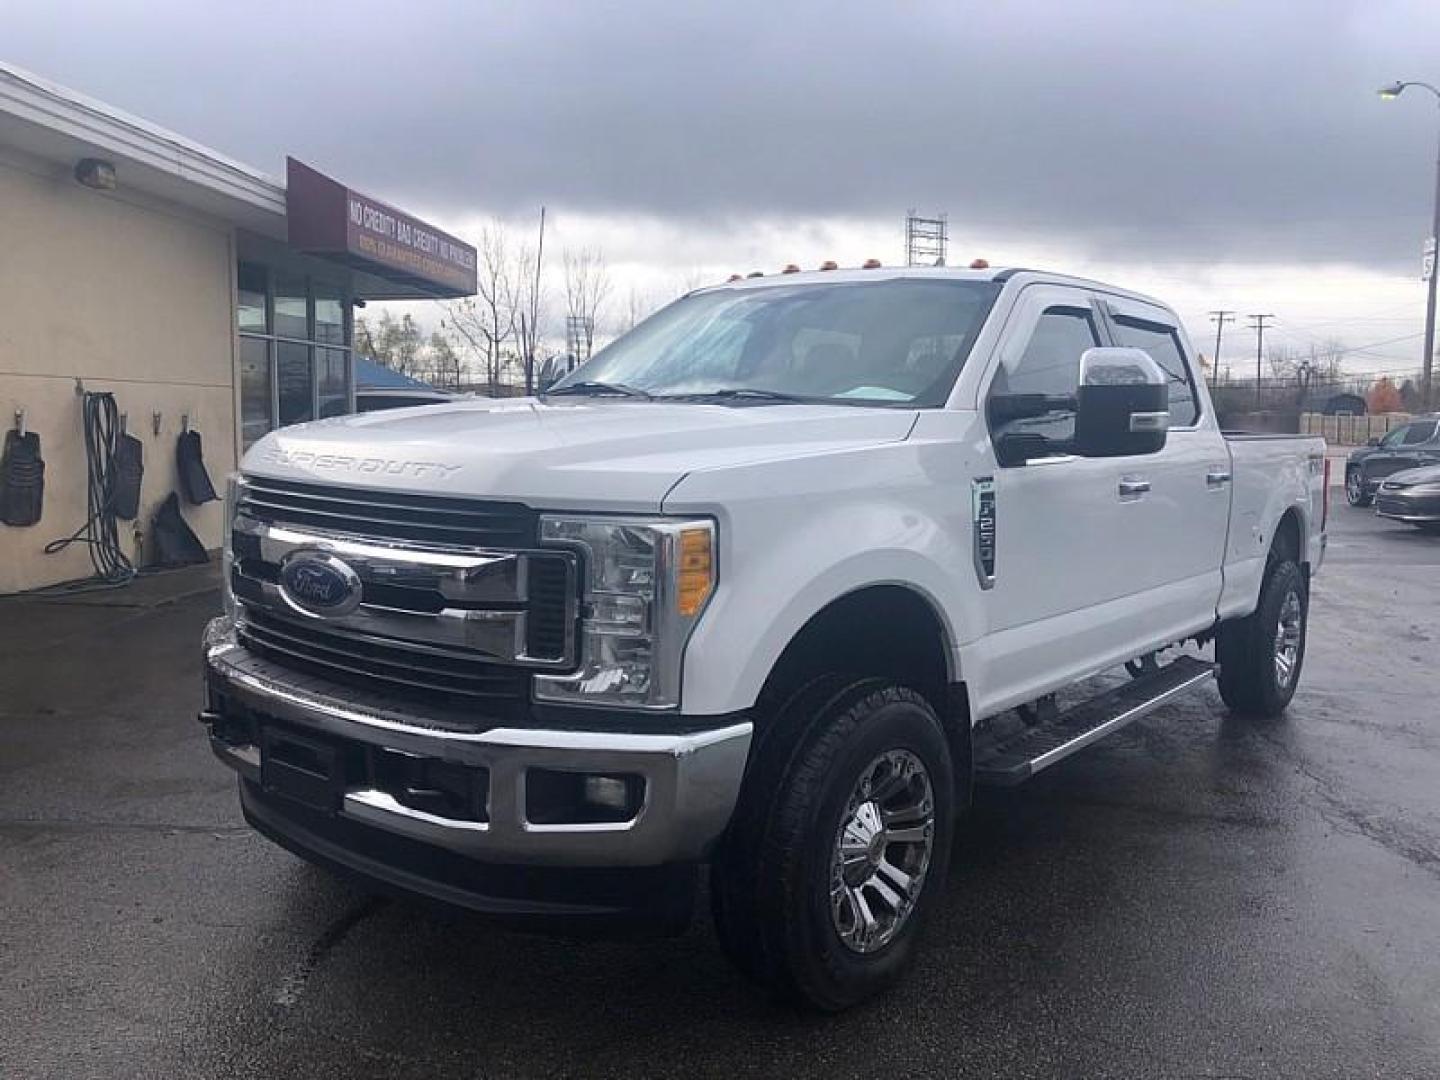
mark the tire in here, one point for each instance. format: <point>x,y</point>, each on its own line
<point>1253,680</point>
<point>785,881</point>
<point>1355,490</point>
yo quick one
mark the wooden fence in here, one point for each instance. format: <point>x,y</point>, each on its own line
<point>1350,430</point>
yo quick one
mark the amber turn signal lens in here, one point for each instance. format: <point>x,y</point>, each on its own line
<point>697,570</point>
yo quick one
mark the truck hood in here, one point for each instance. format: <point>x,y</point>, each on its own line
<point>572,453</point>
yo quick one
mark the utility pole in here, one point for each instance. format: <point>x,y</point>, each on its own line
<point>1220,318</point>
<point>534,322</point>
<point>1257,323</point>
<point>1394,90</point>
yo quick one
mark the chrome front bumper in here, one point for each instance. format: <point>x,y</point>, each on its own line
<point>691,780</point>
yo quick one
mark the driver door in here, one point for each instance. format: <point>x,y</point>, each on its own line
<point>1068,537</point>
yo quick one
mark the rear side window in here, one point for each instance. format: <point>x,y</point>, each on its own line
<point>1417,433</point>
<point>1163,344</point>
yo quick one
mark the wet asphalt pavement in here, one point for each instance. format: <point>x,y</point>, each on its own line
<point>1200,896</point>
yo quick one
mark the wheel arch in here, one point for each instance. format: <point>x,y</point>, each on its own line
<point>887,630</point>
<point>1289,538</point>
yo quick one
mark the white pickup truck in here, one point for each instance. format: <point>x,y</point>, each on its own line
<point>765,587</point>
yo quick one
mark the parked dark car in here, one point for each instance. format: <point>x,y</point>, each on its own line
<point>1406,447</point>
<point>1411,496</point>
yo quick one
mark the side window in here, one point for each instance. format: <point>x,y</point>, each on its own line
<point>1417,433</point>
<point>1394,438</point>
<point>1163,344</point>
<point>1049,364</point>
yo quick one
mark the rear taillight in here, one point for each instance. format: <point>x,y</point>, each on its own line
<point>1325,499</point>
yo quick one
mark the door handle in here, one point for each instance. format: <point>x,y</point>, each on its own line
<point>1217,477</point>
<point>1132,487</point>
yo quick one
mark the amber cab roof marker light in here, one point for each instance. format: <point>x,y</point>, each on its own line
<point>979,264</point>
<point>871,264</point>
<point>790,268</point>
<point>829,264</point>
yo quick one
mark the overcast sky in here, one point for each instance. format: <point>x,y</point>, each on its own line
<point>1218,154</point>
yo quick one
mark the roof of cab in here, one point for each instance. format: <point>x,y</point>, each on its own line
<point>1005,274</point>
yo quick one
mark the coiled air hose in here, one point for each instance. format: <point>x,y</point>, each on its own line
<point>101,532</point>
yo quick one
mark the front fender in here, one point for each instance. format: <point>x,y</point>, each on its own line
<point>788,553</point>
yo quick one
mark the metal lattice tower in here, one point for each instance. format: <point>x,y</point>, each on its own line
<point>925,240</point>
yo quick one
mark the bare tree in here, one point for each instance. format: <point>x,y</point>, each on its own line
<point>1284,362</point>
<point>444,362</point>
<point>587,286</point>
<point>486,322</point>
<point>638,307</point>
<point>393,343</point>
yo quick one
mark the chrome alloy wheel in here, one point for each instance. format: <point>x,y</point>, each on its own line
<point>882,851</point>
<point>1353,491</point>
<point>1287,639</point>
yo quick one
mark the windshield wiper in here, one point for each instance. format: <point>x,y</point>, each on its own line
<point>740,393</point>
<point>597,388</point>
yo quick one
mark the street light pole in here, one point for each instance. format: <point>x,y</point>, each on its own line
<point>1394,90</point>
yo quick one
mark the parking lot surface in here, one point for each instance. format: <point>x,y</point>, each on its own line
<point>1199,896</point>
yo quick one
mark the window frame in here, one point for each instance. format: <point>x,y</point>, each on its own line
<point>273,340</point>
<point>1077,301</point>
<point>1111,315</point>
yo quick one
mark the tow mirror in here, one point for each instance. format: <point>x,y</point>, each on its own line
<point>1374,440</point>
<point>1122,406</point>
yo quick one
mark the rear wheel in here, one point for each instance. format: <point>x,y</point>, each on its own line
<point>838,852</point>
<point>1260,656</point>
<point>1355,489</point>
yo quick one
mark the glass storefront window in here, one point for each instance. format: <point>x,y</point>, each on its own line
<point>291,308</point>
<point>251,312</point>
<point>295,358</point>
<point>295,379</point>
<point>334,381</point>
<point>254,389</point>
<point>329,315</point>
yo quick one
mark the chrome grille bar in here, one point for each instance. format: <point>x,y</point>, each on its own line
<point>457,598</point>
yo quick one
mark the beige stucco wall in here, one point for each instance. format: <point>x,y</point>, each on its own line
<point>132,297</point>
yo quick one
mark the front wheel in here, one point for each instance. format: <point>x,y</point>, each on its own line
<point>1260,656</point>
<point>1355,489</point>
<point>835,857</point>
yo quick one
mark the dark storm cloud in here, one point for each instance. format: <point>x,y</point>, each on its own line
<point>1142,130</point>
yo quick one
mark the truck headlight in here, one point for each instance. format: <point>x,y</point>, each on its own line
<point>646,582</point>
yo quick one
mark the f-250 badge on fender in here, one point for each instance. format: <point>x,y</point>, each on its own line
<point>982,517</point>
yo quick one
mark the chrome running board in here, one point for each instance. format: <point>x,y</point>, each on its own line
<point>1015,759</point>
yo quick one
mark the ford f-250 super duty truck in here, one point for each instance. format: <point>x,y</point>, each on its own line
<point>764,587</point>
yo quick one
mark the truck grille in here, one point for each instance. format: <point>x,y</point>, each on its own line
<point>384,515</point>
<point>384,665</point>
<point>457,604</point>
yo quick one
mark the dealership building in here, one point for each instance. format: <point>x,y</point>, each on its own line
<point>201,293</point>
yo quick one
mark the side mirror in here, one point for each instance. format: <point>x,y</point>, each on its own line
<point>1374,440</point>
<point>1122,406</point>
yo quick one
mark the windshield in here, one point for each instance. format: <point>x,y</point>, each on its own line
<point>897,342</point>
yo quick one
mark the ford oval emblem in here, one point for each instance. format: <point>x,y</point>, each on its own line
<point>317,583</point>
